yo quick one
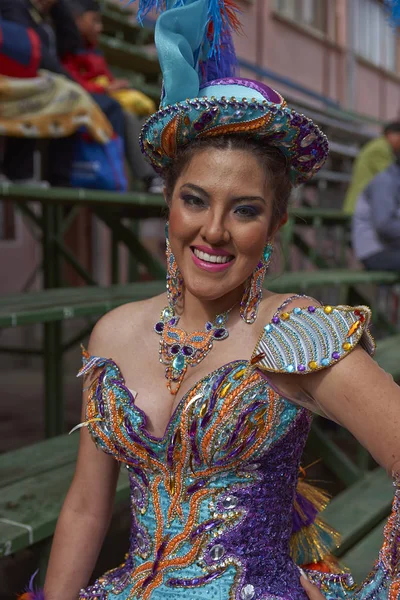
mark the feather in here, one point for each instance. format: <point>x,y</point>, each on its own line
<point>217,52</point>
<point>84,424</point>
<point>312,539</point>
<point>30,592</point>
<point>393,7</point>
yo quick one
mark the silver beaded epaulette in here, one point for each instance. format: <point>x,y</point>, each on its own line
<point>308,339</point>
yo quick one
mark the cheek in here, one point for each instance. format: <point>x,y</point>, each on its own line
<point>250,240</point>
<point>182,225</point>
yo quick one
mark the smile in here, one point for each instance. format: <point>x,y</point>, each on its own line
<point>212,258</point>
<point>218,261</point>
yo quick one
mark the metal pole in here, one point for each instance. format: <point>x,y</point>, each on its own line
<point>351,54</point>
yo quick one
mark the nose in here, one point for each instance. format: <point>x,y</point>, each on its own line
<point>215,230</point>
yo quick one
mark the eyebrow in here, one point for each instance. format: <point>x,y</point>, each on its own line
<point>200,190</point>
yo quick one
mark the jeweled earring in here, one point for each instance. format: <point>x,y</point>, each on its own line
<point>254,286</point>
<point>174,277</point>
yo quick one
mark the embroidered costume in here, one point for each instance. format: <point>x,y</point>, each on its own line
<point>217,508</point>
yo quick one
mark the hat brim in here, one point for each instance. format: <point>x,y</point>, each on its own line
<point>300,140</point>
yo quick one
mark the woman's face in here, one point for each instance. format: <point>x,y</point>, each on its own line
<point>220,215</point>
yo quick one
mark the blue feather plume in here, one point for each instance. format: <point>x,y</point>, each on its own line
<point>218,57</point>
<point>393,7</point>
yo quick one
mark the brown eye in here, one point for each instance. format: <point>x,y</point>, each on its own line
<point>194,201</point>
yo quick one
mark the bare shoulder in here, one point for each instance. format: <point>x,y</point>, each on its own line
<point>118,327</point>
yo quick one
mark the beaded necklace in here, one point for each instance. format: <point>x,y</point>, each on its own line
<point>179,349</point>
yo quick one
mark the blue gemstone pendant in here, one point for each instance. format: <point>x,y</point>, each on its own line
<point>179,362</point>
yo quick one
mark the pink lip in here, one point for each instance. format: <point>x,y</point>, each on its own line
<point>213,251</point>
<point>211,267</point>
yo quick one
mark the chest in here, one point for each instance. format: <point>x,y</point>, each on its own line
<point>146,376</point>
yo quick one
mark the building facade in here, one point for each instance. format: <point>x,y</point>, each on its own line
<point>343,52</point>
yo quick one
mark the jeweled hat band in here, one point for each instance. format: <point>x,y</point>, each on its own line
<point>236,106</point>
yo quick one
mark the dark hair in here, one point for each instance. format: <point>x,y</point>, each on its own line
<point>80,7</point>
<point>270,157</point>
<point>393,127</point>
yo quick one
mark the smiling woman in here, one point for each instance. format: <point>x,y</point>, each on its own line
<point>213,436</point>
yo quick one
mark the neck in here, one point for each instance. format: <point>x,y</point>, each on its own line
<point>196,311</point>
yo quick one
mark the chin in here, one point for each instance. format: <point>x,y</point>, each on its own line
<point>208,289</point>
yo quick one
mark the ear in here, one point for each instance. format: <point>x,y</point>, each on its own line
<point>167,201</point>
<point>277,227</point>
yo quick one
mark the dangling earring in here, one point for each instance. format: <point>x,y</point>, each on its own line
<point>174,277</point>
<point>254,286</point>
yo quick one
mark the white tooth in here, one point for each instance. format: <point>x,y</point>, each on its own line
<point>219,259</point>
<point>202,255</point>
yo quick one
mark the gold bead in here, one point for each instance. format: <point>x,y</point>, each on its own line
<point>313,365</point>
<point>239,374</point>
<point>285,316</point>
<point>225,390</point>
<point>346,346</point>
<point>328,310</point>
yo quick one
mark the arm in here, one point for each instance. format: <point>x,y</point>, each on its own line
<point>354,391</point>
<point>382,194</point>
<point>84,518</point>
<point>76,65</point>
<point>364,399</point>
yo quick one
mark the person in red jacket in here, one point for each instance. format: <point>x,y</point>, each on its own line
<point>89,67</point>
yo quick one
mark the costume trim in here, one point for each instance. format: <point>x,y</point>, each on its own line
<point>311,338</point>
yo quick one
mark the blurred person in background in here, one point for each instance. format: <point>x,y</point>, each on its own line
<point>376,222</point>
<point>37,103</point>
<point>89,67</point>
<point>376,156</point>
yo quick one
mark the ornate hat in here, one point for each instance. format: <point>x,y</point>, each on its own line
<point>202,97</point>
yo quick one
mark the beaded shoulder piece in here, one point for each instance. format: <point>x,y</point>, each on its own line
<point>312,338</point>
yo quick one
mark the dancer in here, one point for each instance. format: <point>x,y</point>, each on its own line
<point>205,393</point>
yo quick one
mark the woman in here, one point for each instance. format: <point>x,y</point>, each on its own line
<point>210,440</point>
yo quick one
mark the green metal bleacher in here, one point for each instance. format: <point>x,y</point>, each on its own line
<point>34,480</point>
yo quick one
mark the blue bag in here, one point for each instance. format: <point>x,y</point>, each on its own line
<point>99,166</point>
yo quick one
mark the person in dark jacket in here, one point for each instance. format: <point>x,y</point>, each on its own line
<point>35,14</point>
<point>376,222</point>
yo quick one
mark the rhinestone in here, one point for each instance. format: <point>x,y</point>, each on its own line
<point>253,467</point>
<point>304,159</point>
<point>217,551</point>
<point>229,502</point>
<point>325,362</point>
<point>220,333</point>
<point>268,328</point>
<point>290,368</point>
<point>178,363</point>
<point>140,541</point>
<point>308,139</point>
<point>137,494</point>
<point>335,355</point>
<point>297,310</point>
<point>301,368</point>
<point>159,327</point>
<point>248,592</point>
